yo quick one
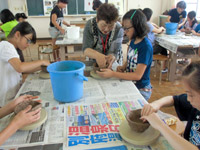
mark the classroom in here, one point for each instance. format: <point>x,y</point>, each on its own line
<point>99,74</point>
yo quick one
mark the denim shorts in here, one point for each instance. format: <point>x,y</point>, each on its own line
<point>54,32</point>
<point>146,94</point>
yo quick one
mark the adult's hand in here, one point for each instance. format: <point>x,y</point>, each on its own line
<point>101,60</point>
<point>110,59</point>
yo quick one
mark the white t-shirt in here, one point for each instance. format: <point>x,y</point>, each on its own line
<point>10,79</point>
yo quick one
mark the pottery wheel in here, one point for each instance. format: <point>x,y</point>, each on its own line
<point>95,75</point>
<point>43,118</point>
<point>145,138</point>
<point>44,75</point>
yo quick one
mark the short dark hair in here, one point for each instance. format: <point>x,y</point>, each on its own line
<point>181,4</point>
<point>148,13</point>
<point>192,14</point>
<point>191,75</point>
<point>63,1</point>
<point>20,15</point>
<point>107,12</point>
<point>24,28</point>
<point>96,4</point>
<point>6,16</point>
<point>138,21</point>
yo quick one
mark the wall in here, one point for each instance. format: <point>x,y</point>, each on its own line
<point>41,23</point>
<point>155,5</point>
<point>17,6</point>
<point>4,4</point>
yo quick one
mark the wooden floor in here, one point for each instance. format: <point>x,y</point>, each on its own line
<point>165,89</point>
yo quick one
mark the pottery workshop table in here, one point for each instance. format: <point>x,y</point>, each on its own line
<point>179,45</point>
<point>92,122</point>
<point>68,43</point>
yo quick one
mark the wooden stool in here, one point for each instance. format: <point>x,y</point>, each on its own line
<point>41,51</point>
<point>161,59</point>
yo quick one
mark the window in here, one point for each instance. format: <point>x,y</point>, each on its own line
<point>193,5</point>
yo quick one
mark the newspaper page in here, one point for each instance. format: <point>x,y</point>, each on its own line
<point>52,131</point>
<point>90,123</point>
<point>96,126</point>
<point>172,42</point>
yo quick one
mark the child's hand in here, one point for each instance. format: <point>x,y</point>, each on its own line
<point>21,99</point>
<point>147,110</point>
<point>154,120</point>
<point>163,29</point>
<point>193,32</point>
<point>45,62</point>
<point>62,31</point>
<point>24,117</point>
<point>121,69</point>
<point>105,73</point>
<point>110,59</point>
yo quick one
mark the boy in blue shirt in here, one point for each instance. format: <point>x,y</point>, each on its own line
<point>178,14</point>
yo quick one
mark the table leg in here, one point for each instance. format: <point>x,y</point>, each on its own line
<point>172,71</point>
<point>62,53</point>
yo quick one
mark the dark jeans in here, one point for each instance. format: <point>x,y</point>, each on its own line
<point>157,49</point>
<point>21,56</point>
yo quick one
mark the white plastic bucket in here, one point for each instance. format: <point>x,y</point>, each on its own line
<point>73,32</point>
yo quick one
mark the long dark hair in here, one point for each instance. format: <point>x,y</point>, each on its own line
<point>6,15</point>
<point>24,28</point>
<point>138,21</point>
<point>192,15</point>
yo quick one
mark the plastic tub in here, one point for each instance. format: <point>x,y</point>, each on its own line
<point>67,80</point>
<point>171,28</point>
<point>73,32</point>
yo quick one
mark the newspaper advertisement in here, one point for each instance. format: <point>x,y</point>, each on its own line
<point>97,126</point>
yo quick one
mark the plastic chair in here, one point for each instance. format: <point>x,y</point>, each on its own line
<point>161,59</point>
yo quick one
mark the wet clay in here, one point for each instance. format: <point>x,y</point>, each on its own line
<point>134,121</point>
<point>23,105</point>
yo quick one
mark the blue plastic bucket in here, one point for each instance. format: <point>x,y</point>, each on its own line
<point>67,80</point>
<point>171,28</point>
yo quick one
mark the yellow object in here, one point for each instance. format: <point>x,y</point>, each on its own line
<point>170,121</point>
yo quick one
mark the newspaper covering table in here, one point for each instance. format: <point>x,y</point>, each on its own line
<point>90,123</point>
<point>172,42</point>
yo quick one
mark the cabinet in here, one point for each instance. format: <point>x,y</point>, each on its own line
<point>162,19</point>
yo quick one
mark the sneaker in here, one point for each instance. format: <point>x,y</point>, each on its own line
<point>183,62</point>
<point>165,70</point>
